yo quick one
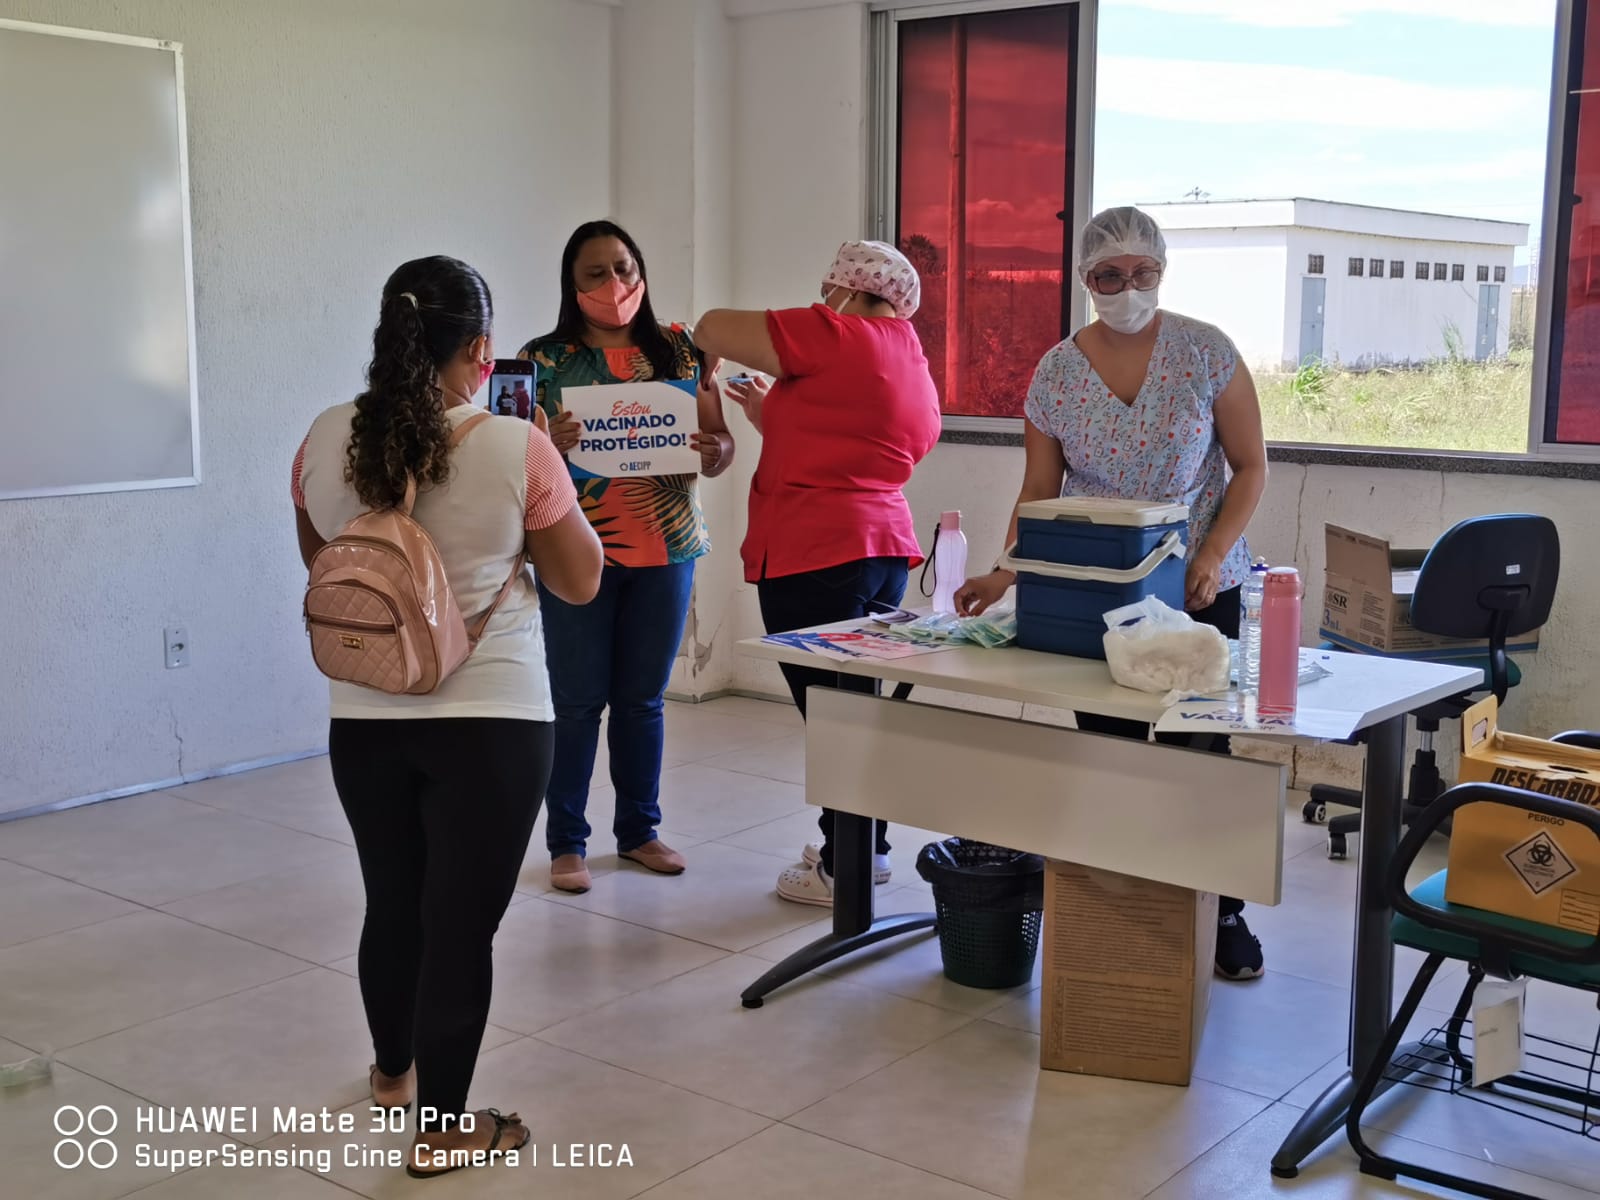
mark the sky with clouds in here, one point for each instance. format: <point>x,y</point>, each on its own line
<point>1438,105</point>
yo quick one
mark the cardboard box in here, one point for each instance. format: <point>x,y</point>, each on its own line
<point>1127,975</point>
<point>1366,602</point>
<point>1518,863</point>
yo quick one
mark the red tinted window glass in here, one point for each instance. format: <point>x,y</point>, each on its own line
<point>1572,411</point>
<point>983,172</point>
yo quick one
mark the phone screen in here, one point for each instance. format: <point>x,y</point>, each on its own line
<point>510,391</point>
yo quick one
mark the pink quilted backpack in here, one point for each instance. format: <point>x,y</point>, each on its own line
<point>378,608</point>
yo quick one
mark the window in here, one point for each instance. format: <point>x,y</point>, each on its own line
<point>1313,264</point>
<point>980,175</point>
<point>1572,368</point>
<point>1375,268</point>
<point>1458,273</point>
<point>1438,271</point>
<point>1358,266</point>
<point>1397,269</point>
<point>1422,270</point>
<point>1499,274</point>
<point>1483,274</point>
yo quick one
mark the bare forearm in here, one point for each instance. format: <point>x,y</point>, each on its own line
<point>1239,504</point>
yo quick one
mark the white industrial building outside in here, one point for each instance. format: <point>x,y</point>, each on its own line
<point>1298,280</point>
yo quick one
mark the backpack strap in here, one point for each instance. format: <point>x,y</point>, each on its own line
<point>460,433</point>
<point>457,436</point>
<point>478,627</point>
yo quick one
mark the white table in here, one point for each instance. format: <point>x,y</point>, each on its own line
<point>1166,813</point>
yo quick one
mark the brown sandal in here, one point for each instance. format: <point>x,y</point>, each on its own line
<point>502,1122</point>
<point>406,1082</point>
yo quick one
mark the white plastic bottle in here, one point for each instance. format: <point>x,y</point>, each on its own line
<point>949,563</point>
<point>1251,596</point>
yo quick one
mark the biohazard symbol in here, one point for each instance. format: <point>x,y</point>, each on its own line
<point>1539,863</point>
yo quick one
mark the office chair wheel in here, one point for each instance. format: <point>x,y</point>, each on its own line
<point>1314,812</point>
<point>1337,848</point>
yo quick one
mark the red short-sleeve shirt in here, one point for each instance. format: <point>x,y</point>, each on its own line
<point>853,414</point>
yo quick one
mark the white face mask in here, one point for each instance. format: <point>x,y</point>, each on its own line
<point>1129,310</point>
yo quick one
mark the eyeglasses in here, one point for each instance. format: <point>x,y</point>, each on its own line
<point>1109,283</point>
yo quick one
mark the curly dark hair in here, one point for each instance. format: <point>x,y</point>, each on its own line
<point>431,308</point>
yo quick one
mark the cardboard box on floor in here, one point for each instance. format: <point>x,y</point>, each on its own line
<point>1366,601</point>
<point>1127,974</point>
<point>1518,863</point>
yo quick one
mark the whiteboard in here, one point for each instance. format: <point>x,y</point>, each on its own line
<point>97,359</point>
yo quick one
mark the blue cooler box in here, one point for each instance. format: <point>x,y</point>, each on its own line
<point>1080,557</point>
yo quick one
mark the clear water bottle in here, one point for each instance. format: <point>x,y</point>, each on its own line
<point>1250,597</point>
<point>949,563</point>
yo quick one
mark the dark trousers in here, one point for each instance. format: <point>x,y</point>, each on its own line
<point>442,810</point>
<point>841,593</point>
<point>1223,615</point>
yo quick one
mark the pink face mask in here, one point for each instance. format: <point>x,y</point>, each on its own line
<point>612,305</point>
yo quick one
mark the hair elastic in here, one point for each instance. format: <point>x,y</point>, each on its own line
<point>410,297</point>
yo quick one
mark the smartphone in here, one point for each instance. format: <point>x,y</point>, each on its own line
<point>511,391</point>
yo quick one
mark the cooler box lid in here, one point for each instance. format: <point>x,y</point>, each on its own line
<point>1103,510</point>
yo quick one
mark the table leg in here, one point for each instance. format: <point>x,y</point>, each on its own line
<point>1372,994</point>
<point>853,924</point>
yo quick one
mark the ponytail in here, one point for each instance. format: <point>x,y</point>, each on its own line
<point>431,308</point>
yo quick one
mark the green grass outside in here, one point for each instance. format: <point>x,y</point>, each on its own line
<point>1453,404</point>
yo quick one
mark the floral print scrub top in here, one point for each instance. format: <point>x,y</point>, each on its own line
<point>653,522</point>
<point>1164,445</point>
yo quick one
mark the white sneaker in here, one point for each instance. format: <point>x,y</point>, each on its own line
<point>881,870</point>
<point>806,885</point>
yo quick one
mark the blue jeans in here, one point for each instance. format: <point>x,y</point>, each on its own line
<point>616,651</point>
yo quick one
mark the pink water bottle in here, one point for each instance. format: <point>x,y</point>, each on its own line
<point>1280,642</point>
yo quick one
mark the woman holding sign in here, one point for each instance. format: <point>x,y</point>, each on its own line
<point>852,413</point>
<point>618,651</point>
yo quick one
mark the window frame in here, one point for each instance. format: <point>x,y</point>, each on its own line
<point>1423,272</point>
<point>886,17</point>
<point>1560,149</point>
<point>1316,264</point>
<point>1376,267</point>
<point>1441,272</point>
<point>1397,268</point>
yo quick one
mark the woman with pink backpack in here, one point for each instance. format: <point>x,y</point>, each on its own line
<point>421,612</point>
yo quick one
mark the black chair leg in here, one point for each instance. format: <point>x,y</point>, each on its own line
<point>1380,1165</point>
<point>1458,1021</point>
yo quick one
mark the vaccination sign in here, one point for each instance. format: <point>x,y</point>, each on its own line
<point>634,429</point>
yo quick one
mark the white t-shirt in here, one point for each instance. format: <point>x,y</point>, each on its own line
<point>505,479</point>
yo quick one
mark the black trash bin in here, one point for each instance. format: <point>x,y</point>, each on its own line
<point>989,902</point>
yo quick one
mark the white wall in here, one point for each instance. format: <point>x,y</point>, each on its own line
<point>328,142</point>
<point>1232,278</point>
<point>799,189</point>
<point>1387,320</point>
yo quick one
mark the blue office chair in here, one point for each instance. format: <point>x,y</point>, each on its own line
<point>1548,1089</point>
<point>1488,578</point>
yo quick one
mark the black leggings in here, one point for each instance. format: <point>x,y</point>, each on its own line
<point>843,593</point>
<point>1223,615</point>
<point>441,810</point>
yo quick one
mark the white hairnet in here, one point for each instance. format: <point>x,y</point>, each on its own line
<point>1118,231</point>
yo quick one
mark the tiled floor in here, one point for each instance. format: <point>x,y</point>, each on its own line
<point>195,948</point>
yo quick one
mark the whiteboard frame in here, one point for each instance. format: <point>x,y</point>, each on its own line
<point>142,485</point>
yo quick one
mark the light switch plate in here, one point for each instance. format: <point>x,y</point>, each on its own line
<point>177,649</point>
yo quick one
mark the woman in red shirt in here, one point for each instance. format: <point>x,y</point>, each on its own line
<point>852,413</point>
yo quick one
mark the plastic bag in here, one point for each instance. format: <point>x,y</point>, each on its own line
<point>1154,648</point>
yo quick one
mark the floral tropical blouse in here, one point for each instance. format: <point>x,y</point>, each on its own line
<point>654,522</point>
